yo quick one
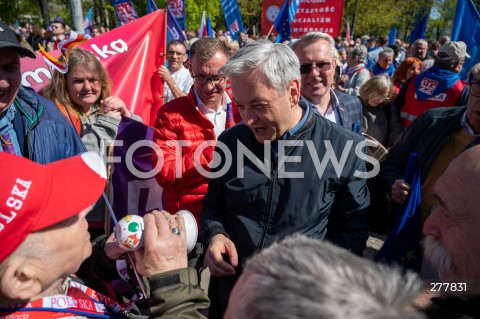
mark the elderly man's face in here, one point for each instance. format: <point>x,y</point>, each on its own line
<point>176,56</point>
<point>262,108</point>
<point>385,61</point>
<point>419,51</point>
<point>10,77</point>
<point>452,228</point>
<point>317,82</point>
<point>68,243</point>
<point>473,105</point>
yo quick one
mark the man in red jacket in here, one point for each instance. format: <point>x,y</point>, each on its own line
<point>439,86</point>
<point>186,130</point>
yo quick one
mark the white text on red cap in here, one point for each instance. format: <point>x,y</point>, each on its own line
<point>15,201</point>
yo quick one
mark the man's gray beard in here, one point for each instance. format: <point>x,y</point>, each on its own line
<point>437,254</point>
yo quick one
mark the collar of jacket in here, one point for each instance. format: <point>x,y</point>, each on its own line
<point>308,121</point>
<point>28,104</point>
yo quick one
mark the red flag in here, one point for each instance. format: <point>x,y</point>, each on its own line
<point>131,54</point>
<point>202,30</point>
<point>53,62</point>
<point>67,45</point>
<point>347,30</point>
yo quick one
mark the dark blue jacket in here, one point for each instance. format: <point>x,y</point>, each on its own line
<point>43,133</point>
<point>256,210</point>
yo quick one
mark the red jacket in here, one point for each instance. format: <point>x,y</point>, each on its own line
<point>180,120</point>
<point>413,107</point>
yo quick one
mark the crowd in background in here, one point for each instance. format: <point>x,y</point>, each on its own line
<point>403,97</point>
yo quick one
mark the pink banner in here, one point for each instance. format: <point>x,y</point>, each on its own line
<point>318,15</point>
<point>131,54</point>
<point>312,15</point>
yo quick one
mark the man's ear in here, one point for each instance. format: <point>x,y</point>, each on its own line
<point>294,90</point>
<point>17,282</point>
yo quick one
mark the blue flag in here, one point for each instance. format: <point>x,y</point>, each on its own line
<point>284,20</point>
<point>402,246</point>
<point>151,6</point>
<point>233,18</point>
<point>466,28</point>
<point>87,23</point>
<point>392,35</point>
<point>419,31</point>
<point>173,29</point>
<point>209,27</point>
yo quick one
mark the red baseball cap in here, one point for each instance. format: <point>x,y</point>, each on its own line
<point>34,196</point>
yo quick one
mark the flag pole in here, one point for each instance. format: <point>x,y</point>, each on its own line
<point>353,21</point>
<point>271,29</point>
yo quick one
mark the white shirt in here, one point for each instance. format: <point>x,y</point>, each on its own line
<point>183,80</point>
<point>331,113</point>
<point>218,118</point>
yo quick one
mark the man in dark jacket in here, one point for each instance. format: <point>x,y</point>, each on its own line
<point>279,171</point>
<point>437,136</point>
<point>316,53</point>
<point>30,125</point>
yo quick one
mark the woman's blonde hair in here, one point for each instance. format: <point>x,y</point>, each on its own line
<point>374,87</point>
<point>78,57</point>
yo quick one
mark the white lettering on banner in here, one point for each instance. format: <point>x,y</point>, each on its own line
<point>439,97</point>
<point>35,75</point>
<point>113,48</point>
<point>120,46</point>
<point>105,52</point>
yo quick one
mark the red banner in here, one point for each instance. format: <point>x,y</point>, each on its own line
<point>131,54</point>
<point>312,15</point>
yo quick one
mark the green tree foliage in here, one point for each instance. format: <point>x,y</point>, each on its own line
<point>251,14</point>
<point>376,17</point>
<point>195,9</point>
<point>443,13</point>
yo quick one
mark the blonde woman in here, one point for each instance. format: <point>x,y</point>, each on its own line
<point>85,90</point>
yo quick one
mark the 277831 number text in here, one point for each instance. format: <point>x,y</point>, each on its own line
<point>448,286</point>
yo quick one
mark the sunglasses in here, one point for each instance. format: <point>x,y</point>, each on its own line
<point>320,67</point>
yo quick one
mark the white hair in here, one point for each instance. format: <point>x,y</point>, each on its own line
<point>275,61</point>
<point>313,37</point>
<point>307,278</point>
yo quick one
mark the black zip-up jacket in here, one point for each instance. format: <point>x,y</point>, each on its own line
<point>255,211</point>
<point>426,136</point>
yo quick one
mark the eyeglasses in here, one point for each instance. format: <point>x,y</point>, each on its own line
<point>320,67</point>
<point>173,53</point>
<point>475,87</point>
<point>215,79</point>
<point>381,99</point>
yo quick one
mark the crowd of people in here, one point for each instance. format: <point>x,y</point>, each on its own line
<point>285,194</point>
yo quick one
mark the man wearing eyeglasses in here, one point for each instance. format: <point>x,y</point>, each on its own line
<point>437,136</point>
<point>183,124</point>
<point>316,53</point>
<point>176,78</point>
